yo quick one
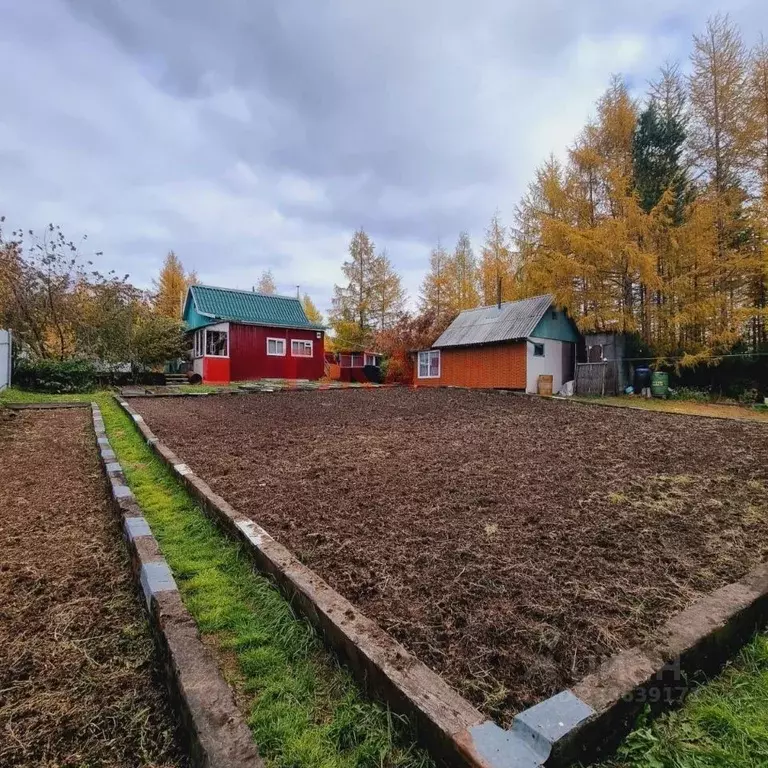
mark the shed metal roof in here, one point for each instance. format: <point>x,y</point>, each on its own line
<point>250,307</point>
<point>485,325</point>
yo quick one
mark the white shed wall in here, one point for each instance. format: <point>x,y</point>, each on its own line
<point>549,365</point>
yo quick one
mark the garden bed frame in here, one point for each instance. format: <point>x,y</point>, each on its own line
<point>583,723</point>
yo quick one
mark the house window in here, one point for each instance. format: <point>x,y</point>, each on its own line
<point>301,348</point>
<point>371,359</point>
<point>429,364</point>
<point>538,350</point>
<point>356,361</point>
<point>217,344</point>
<point>276,347</point>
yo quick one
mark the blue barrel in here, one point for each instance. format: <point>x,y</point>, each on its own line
<point>642,379</point>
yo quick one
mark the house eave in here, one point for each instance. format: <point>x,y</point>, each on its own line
<point>286,326</point>
<point>492,343</point>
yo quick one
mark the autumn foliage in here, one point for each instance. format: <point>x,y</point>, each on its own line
<point>61,308</point>
<point>656,223</point>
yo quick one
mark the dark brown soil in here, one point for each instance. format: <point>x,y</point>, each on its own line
<point>76,657</point>
<point>511,543</point>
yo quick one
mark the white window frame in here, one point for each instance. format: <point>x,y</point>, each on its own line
<point>198,344</point>
<point>429,355</point>
<point>303,342</point>
<point>370,359</point>
<point>543,348</point>
<point>278,343</point>
<point>205,342</point>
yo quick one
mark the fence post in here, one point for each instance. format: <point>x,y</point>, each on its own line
<point>5,359</point>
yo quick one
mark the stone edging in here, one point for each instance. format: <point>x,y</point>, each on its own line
<point>584,723</point>
<point>215,732</point>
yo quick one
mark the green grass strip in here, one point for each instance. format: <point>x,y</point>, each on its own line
<point>304,709</point>
<point>723,724</point>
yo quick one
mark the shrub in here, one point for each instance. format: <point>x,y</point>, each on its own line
<point>749,396</point>
<point>398,371</point>
<point>689,393</point>
<point>55,376</point>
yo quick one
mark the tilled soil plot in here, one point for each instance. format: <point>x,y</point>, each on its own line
<point>511,543</point>
<point>76,657</point>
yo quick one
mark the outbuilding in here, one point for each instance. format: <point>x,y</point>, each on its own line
<point>506,346</point>
<point>243,335</point>
<point>354,365</point>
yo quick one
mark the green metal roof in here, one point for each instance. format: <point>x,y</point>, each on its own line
<point>245,307</point>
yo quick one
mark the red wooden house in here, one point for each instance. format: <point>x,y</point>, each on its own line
<point>244,335</point>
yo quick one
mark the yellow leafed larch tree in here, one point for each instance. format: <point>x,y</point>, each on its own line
<point>171,287</point>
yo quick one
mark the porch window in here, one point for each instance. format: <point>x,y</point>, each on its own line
<point>198,339</point>
<point>371,359</point>
<point>216,344</point>
<point>276,347</point>
<point>357,361</point>
<point>301,348</point>
<point>429,364</point>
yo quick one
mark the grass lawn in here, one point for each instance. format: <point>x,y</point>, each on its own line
<point>689,407</point>
<point>303,709</point>
<point>722,725</point>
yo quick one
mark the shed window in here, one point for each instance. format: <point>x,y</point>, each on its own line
<point>301,348</point>
<point>538,350</point>
<point>595,353</point>
<point>429,364</point>
<point>217,344</point>
<point>276,347</point>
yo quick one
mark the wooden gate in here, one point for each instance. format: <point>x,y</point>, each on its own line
<point>597,378</point>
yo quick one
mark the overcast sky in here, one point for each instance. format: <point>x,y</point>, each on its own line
<point>248,134</point>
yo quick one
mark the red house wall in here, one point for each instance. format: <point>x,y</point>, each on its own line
<point>249,360</point>
<point>216,370</point>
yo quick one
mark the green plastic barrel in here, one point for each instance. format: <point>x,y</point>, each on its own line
<point>659,384</point>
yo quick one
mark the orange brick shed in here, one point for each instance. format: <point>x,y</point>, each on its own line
<point>506,346</point>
